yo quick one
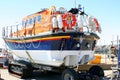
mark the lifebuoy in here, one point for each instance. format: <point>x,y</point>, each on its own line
<point>96,23</point>
<point>69,20</point>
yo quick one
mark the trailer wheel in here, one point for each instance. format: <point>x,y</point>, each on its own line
<point>9,68</point>
<point>27,70</point>
<point>23,69</point>
<point>96,71</point>
<point>69,74</point>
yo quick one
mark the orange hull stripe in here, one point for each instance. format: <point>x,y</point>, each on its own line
<point>40,39</point>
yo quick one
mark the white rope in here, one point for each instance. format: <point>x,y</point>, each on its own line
<point>37,45</point>
<point>29,45</point>
<point>20,46</point>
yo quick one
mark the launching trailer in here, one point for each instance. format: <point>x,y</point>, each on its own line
<point>52,40</point>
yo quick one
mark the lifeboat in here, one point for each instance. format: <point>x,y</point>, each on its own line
<point>51,39</point>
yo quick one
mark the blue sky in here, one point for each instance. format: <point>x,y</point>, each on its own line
<point>106,11</point>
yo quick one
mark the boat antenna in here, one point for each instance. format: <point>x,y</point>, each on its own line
<point>75,3</point>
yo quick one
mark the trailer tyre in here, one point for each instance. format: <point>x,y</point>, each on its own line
<point>23,69</point>
<point>9,68</point>
<point>28,71</point>
<point>69,74</point>
<point>96,71</point>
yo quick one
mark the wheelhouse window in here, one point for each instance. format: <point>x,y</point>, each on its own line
<point>23,23</point>
<point>26,23</point>
<point>39,18</point>
<point>34,19</point>
<point>30,21</point>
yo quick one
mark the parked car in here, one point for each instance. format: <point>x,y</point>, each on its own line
<point>1,59</point>
<point>0,49</point>
<point>4,58</point>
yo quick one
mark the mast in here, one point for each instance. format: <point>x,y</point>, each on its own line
<point>75,3</point>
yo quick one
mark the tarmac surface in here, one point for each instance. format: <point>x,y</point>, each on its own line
<point>42,76</point>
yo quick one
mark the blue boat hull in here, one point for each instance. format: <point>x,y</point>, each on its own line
<point>69,41</point>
